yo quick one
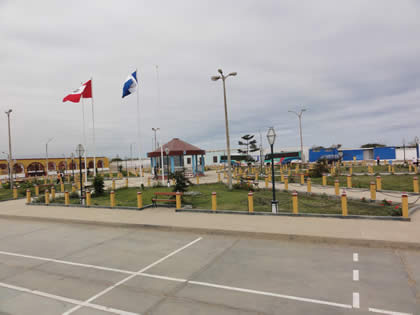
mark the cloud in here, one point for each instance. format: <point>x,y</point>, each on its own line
<point>354,68</point>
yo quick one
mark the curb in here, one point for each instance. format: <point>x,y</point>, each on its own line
<point>310,215</point>
<point>242,234</point>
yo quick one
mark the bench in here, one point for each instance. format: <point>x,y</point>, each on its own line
<point>157,199</point>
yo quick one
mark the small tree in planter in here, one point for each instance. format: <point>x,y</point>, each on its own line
<point>181,182</point>
<point>98,185</point>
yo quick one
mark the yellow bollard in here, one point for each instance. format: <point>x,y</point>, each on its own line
<point>295,202</point>
<point>256,176</point>
<point>349,181</point>
<point>73,188</point>
<point>344,211</point>
<point>404,204</point>
<point>282,177</point>
<point>415,169</point>
<point>113,184</point>
<point>36,190</point>
<point>219,177</point>
<point>409,168</point>
<point>213,201</point>
<point>378,183</point>
<point>15,192</point>
<point>198,180</point>
<point>28,196</point>
<point>309,184</point>
<point>289,172</point>
<point>286,183</point>
<point>302,179</point>
<point>66,198</point>
<point>110,175</point>
<point>139,200</point>
<point>269,177</point>
<point>78,185</point>
<point>178,200</point>
<point>52,193</point>
<point>416,184</point>
<point>112,199</point>
<point>324,180</point>
<point>173,181</point>
<point>148,182</point>
<point>47,197</point>
<point>372,191</point>
<point>351,170</point>
<point>250,202</point>
<point>337,187</point>
<point>88,198</point>
<point>389,168</point>
<point>62,187</point>
<point>393,169</point>
<point>126,182</point>
<point>266,182</point>
<point>51,179</point>
<point>68,178</point>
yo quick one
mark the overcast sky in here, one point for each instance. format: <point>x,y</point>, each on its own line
<point>354,65</point>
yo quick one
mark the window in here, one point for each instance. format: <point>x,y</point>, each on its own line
<point>188,160</point>
<point>214,159</point>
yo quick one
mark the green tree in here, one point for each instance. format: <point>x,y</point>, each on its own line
<point>181,182</point>
<point>98,185</point>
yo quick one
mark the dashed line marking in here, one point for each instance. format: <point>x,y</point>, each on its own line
<point>355,257</point>
<point>379,311</point>
<point>355,275</point>
<point>356,300</point>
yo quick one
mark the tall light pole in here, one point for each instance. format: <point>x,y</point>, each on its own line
<point>155,143</point>
<point>80,150</point>
<point>46,151</point>
<point>10,150</point>
<point>167,163</point>
<point>300,130</point>
<point>224,77</point>
<point>271,137</point>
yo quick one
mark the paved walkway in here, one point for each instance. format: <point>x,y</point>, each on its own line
<point>350,231</point>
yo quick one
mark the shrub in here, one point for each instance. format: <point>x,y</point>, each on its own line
<point>181,182</point>
<point>98,185</point>
<point>320,168</point>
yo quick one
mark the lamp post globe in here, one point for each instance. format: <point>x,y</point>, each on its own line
<point>271,138</point>
<point>80,150</point>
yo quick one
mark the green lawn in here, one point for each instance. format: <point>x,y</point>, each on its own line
<point>377,169</point>
<point>5,194</point>
<point>389,182</point>
<point>237,199</point>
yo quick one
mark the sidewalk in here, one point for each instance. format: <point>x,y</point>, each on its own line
<point>338,231</point>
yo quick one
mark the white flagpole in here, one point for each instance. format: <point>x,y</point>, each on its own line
<point>84,139</point>
<point>161,144</point>
<point>138,129</point>
<point>93,130</point>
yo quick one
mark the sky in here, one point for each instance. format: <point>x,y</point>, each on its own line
<point>353,65</point>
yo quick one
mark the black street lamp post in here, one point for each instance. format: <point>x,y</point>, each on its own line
<point>271,137</point>
<point>80,151</point>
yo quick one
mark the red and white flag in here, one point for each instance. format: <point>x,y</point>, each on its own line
<point>84,91</point>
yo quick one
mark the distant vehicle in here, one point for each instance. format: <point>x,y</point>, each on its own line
<point>236,160</point>
<point>283,158</point>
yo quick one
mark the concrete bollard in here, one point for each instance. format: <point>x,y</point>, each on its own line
<point>148,182</point>
<point>404,205</point>
<point>302,179</point>
<point>52,193</point>
<point>219,179</point>
<point>416,184</point>
<point>389,168</point>
<point>112,199</point>
<point>349,183</point>
<point>344,211</point>
<point>198,180</point>
<point>15,192</point>
<point>139,200</point>
<point>309,184</point>
<point>47,197</point>
<point>351,170</point>
<point>28,196</point>
<point>256,176</point>
<point>415,169</point>
<point>295,202</point>
<point>337,187</point>
<point>324,180</point>
<point>393,169</point>
<point>378,183</point>
<point>213,201</point>
<point>409,168</point>
<point>88,198</point>
<point>266,182</point>
<point>113,184</point>
<point>372,191</point>
<point>66,198</point>
<point>286,183</point>
<point>126,182</point>
<point>73,188</point>
<point>178,200</point>
<point>250,202</point>
<point>62,187</point>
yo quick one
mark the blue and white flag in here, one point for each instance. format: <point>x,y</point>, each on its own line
<point>130,85</point>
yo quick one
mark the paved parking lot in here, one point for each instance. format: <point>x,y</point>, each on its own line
<point>56,268</point>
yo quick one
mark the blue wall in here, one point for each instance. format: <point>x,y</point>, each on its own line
<point>384,153</point>
<point>315,155</point>
<point>348,155</point>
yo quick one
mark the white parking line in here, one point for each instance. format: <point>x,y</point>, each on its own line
<point>355,257</point>
<point>64,299</point>
<point>356,300</point>
<point>355,275</point>
<point>376,310</point>
<point>130,277</point>
<point>289,297</point>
